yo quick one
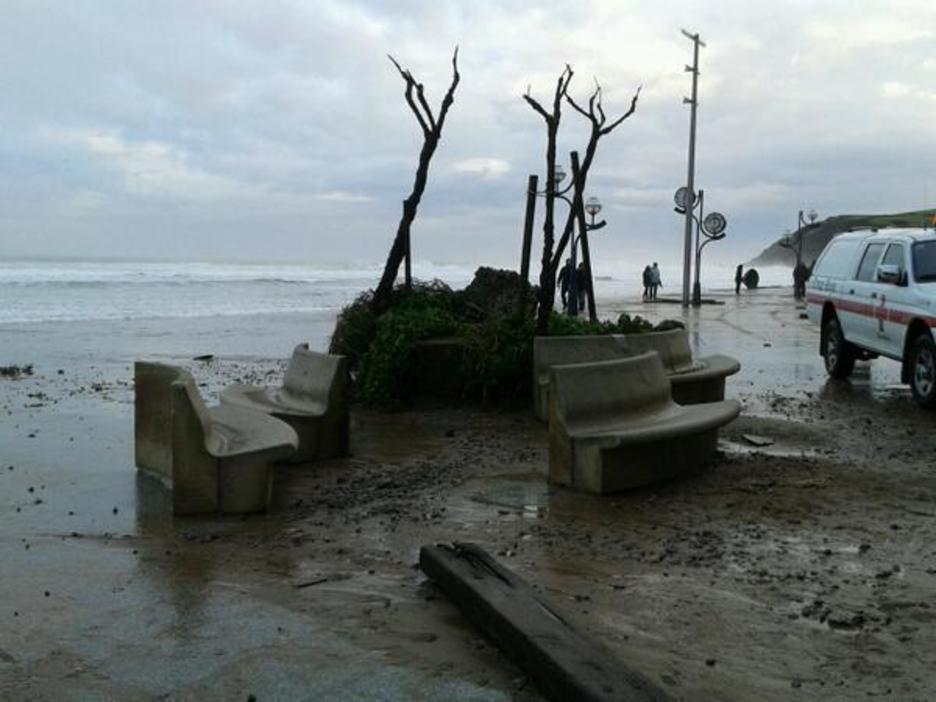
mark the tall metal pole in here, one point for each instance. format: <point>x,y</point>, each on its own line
<point>694,103</point>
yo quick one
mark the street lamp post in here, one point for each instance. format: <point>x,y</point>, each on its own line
<point>592,206</point>
<point>708,229</point>
<point>794,242</point>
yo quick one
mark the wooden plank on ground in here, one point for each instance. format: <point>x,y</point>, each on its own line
<point>565,664</point>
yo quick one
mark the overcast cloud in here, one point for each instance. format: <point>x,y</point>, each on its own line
<point>273,131</point>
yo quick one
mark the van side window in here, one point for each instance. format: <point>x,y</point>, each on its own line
<point>924,261</point>
<point>836,262</point>
<point>894,256</point>
<point>869,262</point>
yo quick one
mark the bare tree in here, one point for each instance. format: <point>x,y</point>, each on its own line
<point>599,128</point>
<point>431,126</point>
<point>547,289</point>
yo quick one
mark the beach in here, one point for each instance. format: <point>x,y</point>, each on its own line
<point>800,569</point>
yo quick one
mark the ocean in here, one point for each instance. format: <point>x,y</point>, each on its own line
<point>73,291</point>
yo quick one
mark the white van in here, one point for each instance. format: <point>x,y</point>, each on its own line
<point>874,294</point>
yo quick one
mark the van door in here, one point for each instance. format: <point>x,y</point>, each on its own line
<point>894,304</point>
<point>861,327</point>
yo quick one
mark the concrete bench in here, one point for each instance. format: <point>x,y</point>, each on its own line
<point>215,460</point>
<point>693,380</point>
<point>549,351</point>
<point>613,426</point>
<point>314,401</point>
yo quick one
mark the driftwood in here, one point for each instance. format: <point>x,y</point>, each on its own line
<point>431,126</point>
<point>564,663</point>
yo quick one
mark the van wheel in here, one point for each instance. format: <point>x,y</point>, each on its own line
<point>839,354</point>
<point>923,371</point>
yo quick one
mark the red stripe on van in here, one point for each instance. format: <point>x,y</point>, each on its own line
<point>874,311</point>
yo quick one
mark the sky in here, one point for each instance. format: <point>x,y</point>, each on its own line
<point>277,131</point>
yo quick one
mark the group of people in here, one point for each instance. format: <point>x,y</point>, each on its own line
<point>565,280</point>
<point>651,281</point>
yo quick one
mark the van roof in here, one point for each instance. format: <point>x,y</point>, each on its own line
<point>888,234</point>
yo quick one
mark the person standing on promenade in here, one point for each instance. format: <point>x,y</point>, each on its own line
<point>581,282</point>
<point>646,282</point>
<point>738,277</point>
<point>655,280</point>
<point>565,277</point>
<point>800,274</point>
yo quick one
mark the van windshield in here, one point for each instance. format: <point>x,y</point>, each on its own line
<point>924,261</point>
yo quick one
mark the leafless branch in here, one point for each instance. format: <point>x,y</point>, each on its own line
<point>630,111</point>
<point>425,105</point>
<point>531,101</point>
<point>578,108</point>
<point>562,87</point>
<point>410,85</point>
<point>450,93</point>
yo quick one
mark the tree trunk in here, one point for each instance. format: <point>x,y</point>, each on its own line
<point>547,288</point>
<point>384,292</point>
<point>432,132</point>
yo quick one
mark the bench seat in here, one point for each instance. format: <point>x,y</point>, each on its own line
<point>693,380</point>
<point>613,426</point>
<point>313,400</point>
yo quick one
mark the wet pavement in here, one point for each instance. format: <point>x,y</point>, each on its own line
<point>800,569</point>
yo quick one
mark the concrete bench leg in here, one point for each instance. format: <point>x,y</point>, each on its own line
<point>246,483</point>
<point>320,437</point>
<point>601,471</point>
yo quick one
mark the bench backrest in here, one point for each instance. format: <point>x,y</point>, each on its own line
<point>195,443</point>
<point>313,376</point>
<point>672,345</point>
<point>551,351</point>
<point>152,414</point>
<point>592,392</point>
<point>156,404</point>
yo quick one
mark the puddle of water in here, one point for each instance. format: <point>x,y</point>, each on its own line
<point>528,498</point>
<point>738,449</point>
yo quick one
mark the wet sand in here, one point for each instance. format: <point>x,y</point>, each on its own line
<point>799,570</point>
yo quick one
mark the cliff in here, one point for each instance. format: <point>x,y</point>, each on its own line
<point>819,235</point>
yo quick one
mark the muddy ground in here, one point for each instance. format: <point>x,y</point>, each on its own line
<point>799,569</point>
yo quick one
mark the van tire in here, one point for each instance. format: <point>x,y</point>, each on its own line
<point>923,370</point>
<point>839,354</point>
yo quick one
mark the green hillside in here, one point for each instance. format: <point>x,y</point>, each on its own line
<point>817,237</point>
